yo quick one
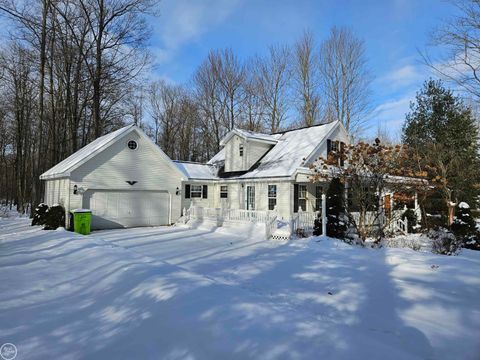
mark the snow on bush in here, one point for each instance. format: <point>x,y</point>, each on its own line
<point>408,242</point>
<point>444,242</point>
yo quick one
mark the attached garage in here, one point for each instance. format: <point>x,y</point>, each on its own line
<point>117,208</point>
<point>123,177</point>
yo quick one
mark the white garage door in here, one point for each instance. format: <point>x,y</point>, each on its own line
<point>112,209</point>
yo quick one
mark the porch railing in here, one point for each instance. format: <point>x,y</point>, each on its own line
<point>199,212</point>
<point>304,221</point>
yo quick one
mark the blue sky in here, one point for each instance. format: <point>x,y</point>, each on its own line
<point>393,30</point>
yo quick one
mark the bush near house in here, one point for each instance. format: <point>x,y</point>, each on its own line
<point>336,226</point>
<point>40,214</point>
<point>51,217</point>
<point>464,227</point>
<point>444,242</point>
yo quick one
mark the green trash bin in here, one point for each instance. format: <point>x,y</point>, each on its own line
<point>82,219</point>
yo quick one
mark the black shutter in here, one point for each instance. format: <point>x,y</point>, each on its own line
<point>205,191</point>
<point>187,191</point>
<point>329,146</point>
<point>342,151</point>
<point>295,197</point>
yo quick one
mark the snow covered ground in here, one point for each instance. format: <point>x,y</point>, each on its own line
<point>206,293</point>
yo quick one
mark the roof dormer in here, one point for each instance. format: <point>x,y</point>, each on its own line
<point>244,148</point>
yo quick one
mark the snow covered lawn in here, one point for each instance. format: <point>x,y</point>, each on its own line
<point>178,293</point>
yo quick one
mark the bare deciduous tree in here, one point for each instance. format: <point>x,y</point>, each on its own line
<point>459,41</point>
<point>273,75</point>
<point>305,74</point>
<point>344,78</point>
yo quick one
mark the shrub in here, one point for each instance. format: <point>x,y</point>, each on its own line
<point>444,242</point>
<point>336,226</point>
<point>317,226</point>
<point>465,228</point>
<point>411,217</point>
<point>40,214</point>
<point>55,217</point>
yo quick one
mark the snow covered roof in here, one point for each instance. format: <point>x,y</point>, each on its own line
<point>250,135</point>
<point>288,154</point>
<point>63,168</point>
<point>197,171</point>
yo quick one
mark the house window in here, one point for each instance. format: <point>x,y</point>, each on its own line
<point>302,197</point>
<point>272,197</point>
<point>240,149</point>
<point>132,145</point>
<point>318,197</point>
<point>335,146</point>
<point>338,147</point>
<point>196,191</point>
<point>223,191</point>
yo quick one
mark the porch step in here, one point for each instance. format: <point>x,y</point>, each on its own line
<point>283,231</point>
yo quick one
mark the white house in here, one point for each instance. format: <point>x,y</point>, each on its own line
<point>126,180</point>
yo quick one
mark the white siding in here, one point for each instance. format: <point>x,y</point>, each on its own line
<point>255,150</point>
<point>209,202</point>
<point>233,160</point>
<point>56,192</point>
<point>252,152</point>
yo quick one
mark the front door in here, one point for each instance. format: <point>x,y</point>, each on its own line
<point>250,197</point>
<point>387,204</point>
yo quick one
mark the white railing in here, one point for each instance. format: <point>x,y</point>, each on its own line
<point>401,225</point>
<point>269,218</point>
<point>271,225</point>
<point>246,215</point>
<point>304,221</point>
<point>198,212</point>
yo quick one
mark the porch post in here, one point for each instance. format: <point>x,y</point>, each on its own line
<point>324,215</point>
<point>417,211</point>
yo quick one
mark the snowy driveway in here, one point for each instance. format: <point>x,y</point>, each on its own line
<point>175,293</point>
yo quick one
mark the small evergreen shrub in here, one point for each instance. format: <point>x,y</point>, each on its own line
<point>40,214</point>
<point>55,217</point>
<point>336,226</point>
<point>444,242</point>
<point>317,226</point>
<point>465,228</point>
<point>411,217</point>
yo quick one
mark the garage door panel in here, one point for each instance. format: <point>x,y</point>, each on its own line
<point>113,209</point>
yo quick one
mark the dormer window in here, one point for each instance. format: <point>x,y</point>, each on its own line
<point>240,149</point>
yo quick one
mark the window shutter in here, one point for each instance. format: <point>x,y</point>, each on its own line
<point>329,146</point>
<point>187,191</point>
<point>205,191</point>
<point>295,197</point>
<point>342,150</point>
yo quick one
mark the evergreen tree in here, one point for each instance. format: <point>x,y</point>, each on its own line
<point>443,132</point>
<point>464,227</point>
<point>336,226</point>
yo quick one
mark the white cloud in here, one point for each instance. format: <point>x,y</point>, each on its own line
<point>392,113</point>
<point>182,21</point>
<point>404,76</point>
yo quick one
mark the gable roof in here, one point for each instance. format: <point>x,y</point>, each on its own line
<point>65,167</point>
<point>293,150</point>
<point>250,135</point>
<point>289,153</point>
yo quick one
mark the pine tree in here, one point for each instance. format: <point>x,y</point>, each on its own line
<point>336,226</point>
<point>443,132</point>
